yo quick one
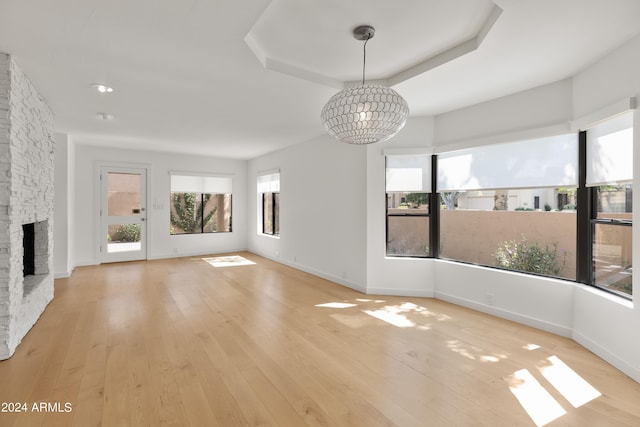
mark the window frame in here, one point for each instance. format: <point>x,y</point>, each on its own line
<point>586,220</point>
<point>587,201</point>
<point>202,206</point>
<point>202,183</point>
<point>268,183</point>
<point>275,219</point>
<point>406,215</point>
<point>430,183</point>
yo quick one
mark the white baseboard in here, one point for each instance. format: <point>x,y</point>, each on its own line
<point>401,292</point>
<point>506,314</point>
<point>86,263</point>
<point>63,275</point>
<point>606,355</point>
<point>192,254</point>
<point>321,274</point>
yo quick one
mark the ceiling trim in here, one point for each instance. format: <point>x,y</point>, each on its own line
<point>425,65</point>
<point>450,54</point>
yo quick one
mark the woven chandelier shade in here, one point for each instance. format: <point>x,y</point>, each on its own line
<point>365,114</point>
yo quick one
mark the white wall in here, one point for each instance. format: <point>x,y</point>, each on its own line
<point>539,302</point>
<point>62,209</point>
<point>538,112</point>
<point>322,209</point>
<point>160,243</point>
<point>531,113</point>
<point>394,276</point>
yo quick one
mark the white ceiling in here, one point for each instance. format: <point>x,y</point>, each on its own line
<point>238,79</point>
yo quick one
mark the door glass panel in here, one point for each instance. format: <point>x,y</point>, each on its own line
<point>123,194</point>
<point>124,238</point>
<point>124,212</point>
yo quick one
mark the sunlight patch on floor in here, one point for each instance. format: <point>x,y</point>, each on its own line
<point>531,347</point>
<point>407,315</point>
<point>391,316</point>
<point>457,347</point>
<point>536,401</point>
<point>336,305</point>
<point>489,358</point>
<point>572,386</point>
<point>228,261</point>
<point>354,321</point>
<point>473,353</point>
<point>377,301</point>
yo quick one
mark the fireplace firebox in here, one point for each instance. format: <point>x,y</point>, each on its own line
<point>29,251</point>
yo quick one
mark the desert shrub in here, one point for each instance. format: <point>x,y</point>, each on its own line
<point>129,232</point>
<point>530,257</point>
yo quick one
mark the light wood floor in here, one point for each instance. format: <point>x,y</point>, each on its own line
<point>181,342</point>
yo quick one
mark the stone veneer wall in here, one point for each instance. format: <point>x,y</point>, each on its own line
<point>26,196</point>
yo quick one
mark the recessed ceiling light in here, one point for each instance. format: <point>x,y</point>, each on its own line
<point>105,116</point>
<point>102,88</point>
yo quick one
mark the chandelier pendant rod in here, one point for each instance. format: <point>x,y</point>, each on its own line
<point>364,57</point>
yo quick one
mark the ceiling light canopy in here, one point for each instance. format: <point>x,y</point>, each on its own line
<point>102,88</point>
<point>365,113</point>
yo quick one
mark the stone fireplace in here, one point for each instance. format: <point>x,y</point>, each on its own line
<point>26,205</point>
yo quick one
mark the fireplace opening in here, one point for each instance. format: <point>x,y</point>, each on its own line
<point>29,249</point>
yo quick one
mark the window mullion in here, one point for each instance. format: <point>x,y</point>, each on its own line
<point>585,213</point>
<point>273,214</point>
<point>263,203</point>
<point>202,212</point>
<point>434,211</point>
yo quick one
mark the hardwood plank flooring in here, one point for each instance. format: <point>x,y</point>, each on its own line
<point>181,342</point>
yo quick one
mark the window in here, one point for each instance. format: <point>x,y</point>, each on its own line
<point>200,204</point>
<point>408,184</point>
<point>512,205</point>
<point>609,175</point>
<point>558,206</point>
<point>269,192</point>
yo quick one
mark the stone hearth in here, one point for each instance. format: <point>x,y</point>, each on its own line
<point>26,197</point>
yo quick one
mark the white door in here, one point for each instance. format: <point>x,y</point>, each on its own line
<point>123,214</point>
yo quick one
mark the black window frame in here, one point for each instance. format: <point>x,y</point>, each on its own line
<point>275,201</point>
<point>428,214</point>
<point>586,220</point>
<point>202,206</point>
<point>587,207</point>
<point>408,215</point>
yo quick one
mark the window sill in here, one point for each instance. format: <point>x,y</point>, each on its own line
<point>271,236</point>
<point>609,296</point>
